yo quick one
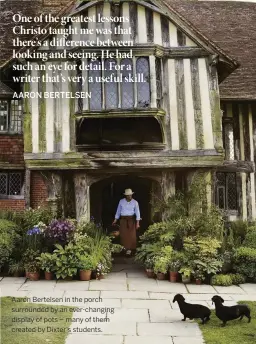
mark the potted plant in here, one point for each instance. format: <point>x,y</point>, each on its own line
<point>160,267</point>
<point>31,264</point>
<point>175,263</point>
<point>149,265</point>
<point>16,268</point>
<point>199,276</point>
<point>66,261</point>
<point>186,274</point>
<point>86,265</point>
<point>33,269</point>
<point>47,263</point>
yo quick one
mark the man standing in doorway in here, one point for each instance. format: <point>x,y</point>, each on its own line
<point>128,212</point>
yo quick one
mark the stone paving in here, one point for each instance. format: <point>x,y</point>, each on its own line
<point>143,308</point>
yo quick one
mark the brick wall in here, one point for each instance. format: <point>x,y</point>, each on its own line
<point>12,204</point>
<point>38,191</point>
<point>12,149</point>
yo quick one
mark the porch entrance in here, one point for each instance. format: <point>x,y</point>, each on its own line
<point>105,195</point>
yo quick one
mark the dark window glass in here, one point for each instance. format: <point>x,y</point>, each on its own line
<point>95,87</point>
<point>127,87</point>
<point>143,88</point>
<point>11,183</point>
<point>226,191</point>
<point>111,89</point>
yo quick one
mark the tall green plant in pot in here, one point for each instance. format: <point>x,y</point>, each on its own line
<point>86,264</point>
<point>175,263</point>
<point>47,263</point>
<point>66,263</point>
<point>31,264</point>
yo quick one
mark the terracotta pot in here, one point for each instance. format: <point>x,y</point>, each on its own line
<point>160,276</point>
<point>150,273</point>
<point>34,276</point>
<point>173,276</point>
<point>48,276</point>
<point>85,275</point>
<point>27,274</point>
<point>198,281</point>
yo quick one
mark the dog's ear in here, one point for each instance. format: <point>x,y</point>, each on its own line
<point>221,299</point>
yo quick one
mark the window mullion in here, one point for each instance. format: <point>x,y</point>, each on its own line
<point>152,70</point>
<point>118,62</point>
<point>85,75</point>
<point>103,85</point>
<point>135,89</point>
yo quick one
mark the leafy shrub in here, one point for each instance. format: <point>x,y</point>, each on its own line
<point>237,279</point>
<point>239,229</point>
<point>228,260</point>
<point>47,262</point>
<point>30,259</point>
<point>8,240</point>
<point>32,217</point>
<point>245,262</point>
<point>222,280</point>
<point>66,261</point>
<point>250,239</point>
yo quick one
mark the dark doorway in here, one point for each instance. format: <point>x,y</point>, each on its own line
<point>105,195</point>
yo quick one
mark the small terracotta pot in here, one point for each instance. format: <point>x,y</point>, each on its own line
<point>150,273</point>
<point>198,282</point>
<point>34,276</point>
<point>160,276</point>
<point>48,276</point>
<point>85,275</point>
<point>173,276</point>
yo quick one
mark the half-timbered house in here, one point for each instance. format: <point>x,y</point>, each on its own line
<point>194,111</point>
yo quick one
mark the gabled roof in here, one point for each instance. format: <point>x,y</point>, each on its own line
<point>232,26</point>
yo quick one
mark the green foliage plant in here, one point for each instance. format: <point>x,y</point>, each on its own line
<point>8,240</point>
<point>245,262</point>
<point>66,261</point>
<point>222,280</point>
<point>47,261</point>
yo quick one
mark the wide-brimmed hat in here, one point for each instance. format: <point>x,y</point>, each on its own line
<point>128,192</point>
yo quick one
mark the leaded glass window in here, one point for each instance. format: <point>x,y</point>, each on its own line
<point>16,116</point>
<point>150,25</point>
<point>4,107</point>
<point>158,82</point>
<point>228,140</point>
<point>11,115</point>
<point>165,31</point>
<point>143,88</point>
<point>95,87</point>
<point>127,87</point>
<point>226,191</point>
<point>11,183</point>
<point>111,91</point>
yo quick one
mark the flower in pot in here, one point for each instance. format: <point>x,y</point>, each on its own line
<point>47,263</point>
<point>149,265</point>
<point>33,269</point>
<point>175,263</point>
<point>160,267</point>
<point>186,274</point>
<point>31,264</point>
<point>199,276</point>
<point>86,264</point>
